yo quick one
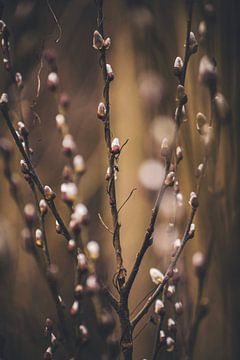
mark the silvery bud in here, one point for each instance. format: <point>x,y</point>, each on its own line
<point>169,181</point>
<point>165,148</point>
<point>159,307</point>
<point>156,276</point>
<point>115,146</point>
<point>98,41</point>
<point>193,44</point>
<point>110,73</point>
<point>177,67</point>
<point>193,201</point>
<point>49,193</point>
<point>101,111</point>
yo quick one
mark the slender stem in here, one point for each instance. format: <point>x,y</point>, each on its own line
<point>187,43</point>
<point>168,273</point>
<point>157,340</point>
<point>34,175</point>
<point>148,236</point>
<point>111,156</point>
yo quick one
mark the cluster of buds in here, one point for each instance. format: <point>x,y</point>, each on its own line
<point>156,276</point>
<point>69,192</point>
<point>99,43</point>
<point>79,217</point>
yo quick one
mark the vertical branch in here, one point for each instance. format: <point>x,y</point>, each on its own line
<point>107,77</point>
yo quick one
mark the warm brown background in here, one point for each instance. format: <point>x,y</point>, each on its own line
<point>146,37</point>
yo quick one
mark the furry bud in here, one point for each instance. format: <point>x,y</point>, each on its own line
<point>53,81</point>
<point>156,276</point>
<point>49,193</point>
<point>115,146</point>
<point>110,73</point>
<point>101,111</point>
<point>177,67</point>
<point>98,41</point>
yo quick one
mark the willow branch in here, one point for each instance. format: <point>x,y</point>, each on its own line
<point>37,181</point>
<point>111,156</point>
<point>168,273</point>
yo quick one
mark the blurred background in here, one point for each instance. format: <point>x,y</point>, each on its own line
<point>146,38</point>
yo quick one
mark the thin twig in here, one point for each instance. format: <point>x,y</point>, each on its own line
<point>56,21</point>
<point>111,156</point>
<point>167,275</point>
<point>129,196</point>
<point>103,223</point>
<point>50,202</point>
